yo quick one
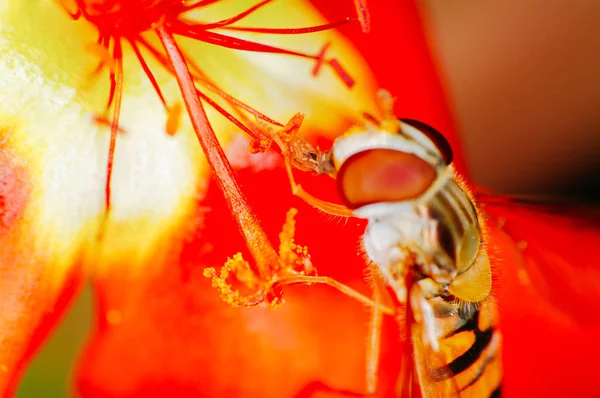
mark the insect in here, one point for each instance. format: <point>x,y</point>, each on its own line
<point>426,243</point>
<point>427,240</point>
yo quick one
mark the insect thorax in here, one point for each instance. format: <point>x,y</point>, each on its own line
<point>435,236</point>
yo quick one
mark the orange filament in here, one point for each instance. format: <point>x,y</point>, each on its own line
<point>255,237</point>
<point>148,72</point>
<point>117,77</point>
<point>364,17</point>
<point>198,32</point>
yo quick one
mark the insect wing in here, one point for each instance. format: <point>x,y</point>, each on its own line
<point>547,289</point>
<point>559,247</point>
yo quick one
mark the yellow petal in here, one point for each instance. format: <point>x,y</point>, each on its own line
<point>51,98</point>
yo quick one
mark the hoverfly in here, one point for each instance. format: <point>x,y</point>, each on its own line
<point>426,242</point>
<point>429,251</point>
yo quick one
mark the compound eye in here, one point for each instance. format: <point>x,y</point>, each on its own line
<point>440,142</point>
<point>383,175</point>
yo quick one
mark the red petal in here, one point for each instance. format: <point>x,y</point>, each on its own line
<point>33,294</point>
<point>167,333</point>
<point>175,337</point>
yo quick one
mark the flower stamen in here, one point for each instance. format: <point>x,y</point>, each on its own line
<point>364,17</point>
<point>117,78</point>
<point>198,32</point>
<point>236,18</point>
<point>200,77</point>
<point>148,72</point>
<point>130,20</point>
<point>256,239</point>
<point>200,3</point>
<point>290,31</point>
<point>295,267</point>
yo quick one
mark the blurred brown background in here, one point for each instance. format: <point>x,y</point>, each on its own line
<point>523,78</point>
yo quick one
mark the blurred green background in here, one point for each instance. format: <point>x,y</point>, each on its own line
<point>49,375</point>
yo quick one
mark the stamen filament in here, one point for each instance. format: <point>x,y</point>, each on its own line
<point>364,17</point>
<point>197,32</point>
<point>228,115</point>
<point>291,31</point>
<point>202,3</point>
<point>256,239</point>
<point>148,72</point>
<point>114,128</point>
<point>201,78</point>
<point>236,18</point>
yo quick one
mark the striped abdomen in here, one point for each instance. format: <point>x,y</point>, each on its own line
<point>465,361</point>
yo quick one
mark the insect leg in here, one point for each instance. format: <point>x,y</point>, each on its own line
<point>347,290</point>
<point>374,345</point>
<point>373,350</point>
<point>297,190</point>
<point>324,206</point>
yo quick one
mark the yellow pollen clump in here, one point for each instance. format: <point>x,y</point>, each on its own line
<point>293,260</point>
<point>276,303</point>
<point>240,269</point>
<point>291,255</point>
<point>260,145</point>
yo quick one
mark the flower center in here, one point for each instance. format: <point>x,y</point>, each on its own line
<point>130,21</point>
<point>128,18</point>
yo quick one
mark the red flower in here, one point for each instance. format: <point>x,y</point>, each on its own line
<point>145,234</point>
